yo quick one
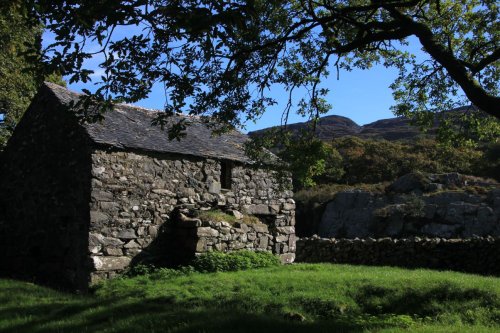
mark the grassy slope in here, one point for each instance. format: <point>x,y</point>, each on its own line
<point>332,298</point>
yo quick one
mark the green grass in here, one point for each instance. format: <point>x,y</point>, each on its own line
<point>331,298</point>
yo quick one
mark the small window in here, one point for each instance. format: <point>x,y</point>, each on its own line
<point>226,174</point>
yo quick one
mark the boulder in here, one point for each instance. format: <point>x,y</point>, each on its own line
<point>410,182</point>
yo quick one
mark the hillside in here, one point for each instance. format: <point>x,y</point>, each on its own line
<point>334,126</point>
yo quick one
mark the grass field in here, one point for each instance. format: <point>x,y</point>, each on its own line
<point>294,298</point>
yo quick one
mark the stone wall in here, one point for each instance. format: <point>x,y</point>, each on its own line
<point>186,239</point>
<point>474,255</point>
<point>134,193</point>
<point>44,198</point>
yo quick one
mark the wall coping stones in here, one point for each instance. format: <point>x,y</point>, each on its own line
<point>475,255</point>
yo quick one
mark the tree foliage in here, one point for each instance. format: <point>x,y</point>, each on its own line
<point>310,160</point>
<point>19,42</point>
<point>374,161</point>
<point>21,68</point>
<point>222,57</point>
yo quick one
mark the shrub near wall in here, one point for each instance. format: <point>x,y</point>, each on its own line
<point>474,255</point>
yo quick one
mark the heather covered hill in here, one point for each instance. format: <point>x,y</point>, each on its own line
<point>334,126</point>
<point>328,127</point>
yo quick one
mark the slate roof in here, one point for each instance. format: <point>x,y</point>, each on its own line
<point>129,127</point>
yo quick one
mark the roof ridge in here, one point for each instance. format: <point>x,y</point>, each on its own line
<point>130,127</point>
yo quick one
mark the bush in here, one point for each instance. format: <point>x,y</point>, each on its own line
<point>156,273</point>
<point>375,161</point>
<point>233,261</point>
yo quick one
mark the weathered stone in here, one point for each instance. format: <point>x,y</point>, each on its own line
<point>260,227</point>
<point>110,206</point>
<point>214,187</point>
<point>153,231</point>
<point>237,245</point>
<point>288,206</point>
<point>96,171</point>
<point>410,182</point>
<point>95,239</point>
<point>100,195</point>
<point>95,248</point>
<point>113,251</point>
<point>260,209</point>
<point>132,252</point>
<point>286,230</point>
<point>110,263</point>
<point>292,242</point>
<point>132,245</point>
<point>201,245</point>
<point>207,232</point>
<point>263,242</point>
<point>244,228</point>
<point>236,214</point>
<point>110,241</point>
<point>98,217</point>
<point>281,238</point>
<point>163,192</point>
<point>127,234</point>
<point>221,247</point>
<point>274,209</point>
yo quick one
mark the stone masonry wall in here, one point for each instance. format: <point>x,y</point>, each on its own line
<point>473,255</point>
<point>44,199</point>
<point>133,194</point>
<point>193,237</point>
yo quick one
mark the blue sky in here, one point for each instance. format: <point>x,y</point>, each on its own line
<point>363,96</point>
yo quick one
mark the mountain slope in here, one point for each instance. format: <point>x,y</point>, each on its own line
<point>399,128</point>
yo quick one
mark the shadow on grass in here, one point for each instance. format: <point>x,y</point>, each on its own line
<point>29,308</point>
<point>33,309</point>
<point>154,315</point>
<point>429,302</point>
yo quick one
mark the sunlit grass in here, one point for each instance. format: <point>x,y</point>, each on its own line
<point>328,298</point>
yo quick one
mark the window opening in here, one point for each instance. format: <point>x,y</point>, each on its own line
<point>226,174</point>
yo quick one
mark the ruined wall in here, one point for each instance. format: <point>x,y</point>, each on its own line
<point>134,193</point>
<point>193,237</point>
<point>44,196</point>
<point>473,255</point>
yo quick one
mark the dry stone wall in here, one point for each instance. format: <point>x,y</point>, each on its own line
<point>473,255</point>
<point>133,194</point>
<point>194,237</point>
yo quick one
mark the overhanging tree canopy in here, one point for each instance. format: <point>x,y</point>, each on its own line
<point>222,57</point>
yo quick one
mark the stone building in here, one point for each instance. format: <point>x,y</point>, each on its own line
<point>82,201</point>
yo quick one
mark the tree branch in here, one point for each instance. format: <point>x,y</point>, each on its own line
<point>476,94</point>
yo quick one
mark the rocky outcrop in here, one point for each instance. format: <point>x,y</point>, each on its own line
<point>445,205</point>
<point>474,255</point>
